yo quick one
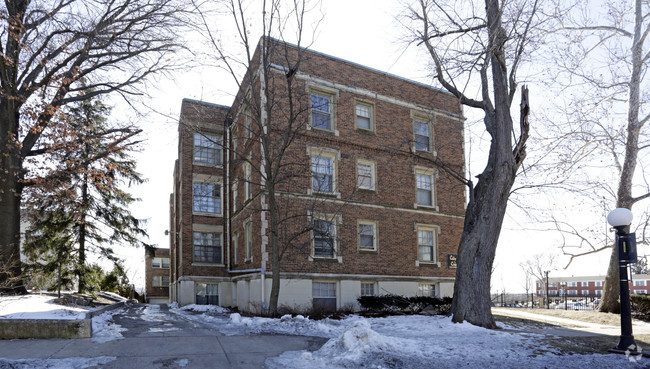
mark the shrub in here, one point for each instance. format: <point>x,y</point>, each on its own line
<point>394,304</point>
<point>641,305</point>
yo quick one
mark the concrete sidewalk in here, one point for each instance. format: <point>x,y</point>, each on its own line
<point>571,327</point>
<point>166,342</point>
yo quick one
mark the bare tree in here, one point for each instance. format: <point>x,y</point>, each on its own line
<point>48,48</point>
<point>481,45</point>
<point>601,57</point>
<point>269,113</point>
<point>538,268</point>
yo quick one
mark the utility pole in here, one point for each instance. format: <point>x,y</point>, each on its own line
<point>547,301</point>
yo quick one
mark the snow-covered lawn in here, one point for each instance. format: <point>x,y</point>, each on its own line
<point>38,307</point>
<point>406,342</point>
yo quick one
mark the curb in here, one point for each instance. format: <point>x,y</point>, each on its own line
<point>53,328</point>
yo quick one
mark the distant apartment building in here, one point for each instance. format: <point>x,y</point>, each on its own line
<point>588,285</point>
<point>369,204</point>
<point>157,276</point>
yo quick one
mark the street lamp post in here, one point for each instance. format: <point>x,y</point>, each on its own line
<point>564,284</point>
<point>620,219</point>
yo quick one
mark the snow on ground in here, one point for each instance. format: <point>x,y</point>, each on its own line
<point>67,363</point>
<point>105,329</point>
<point>405,342</point>
<point>38,307</point>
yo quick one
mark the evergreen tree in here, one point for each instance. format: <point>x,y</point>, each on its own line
<point>84,210</point>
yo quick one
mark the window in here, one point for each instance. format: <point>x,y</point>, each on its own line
<point>365,175</point>
<point>572,292</point>
<point>248,229</point>
<point>207,198</point>
<point>160,263</point>
<point>248,177</point>
<point>324,232</point>
<point>160,281</point>
<point>364,113</point>
<point>424,184</point>
<point>235,187</point>
<point>427,244</point>
<point>552,284</point>
<point>422,135</point>
<point>235,248</point>
<point>322,168</point>
<point>599,292</point>
<point>585,292</point>
<point>554,292</point>
<point>207,294</point>
<point>247,123</point>
<point>207,149</point>
<point>207,247</point>
<point>324,295</point>
<point>426,289</point>
<point>235,138</point>
<point>639,283</point>
<point>638,292</point>
<point>572,284</point>
<point>321,111</point>
<point>368,288</point>
<point>367,235</point>
<point>599,283</point>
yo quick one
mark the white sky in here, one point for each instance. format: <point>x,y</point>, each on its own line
<point>361,31</point>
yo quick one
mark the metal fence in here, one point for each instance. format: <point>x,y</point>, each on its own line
<point>532,301</point>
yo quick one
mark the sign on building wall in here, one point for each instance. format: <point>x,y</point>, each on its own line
<point>451,261</point>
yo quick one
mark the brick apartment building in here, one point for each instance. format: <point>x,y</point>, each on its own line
<point>157,275</point>
<point>589,285</point>
<point>366,195</point>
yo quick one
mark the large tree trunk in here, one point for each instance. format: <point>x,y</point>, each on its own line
<point>624,199</point>
<point>488,201</point>
<point>483,220</point>
<point>10,197</point>
<point>275,255</point>
<point>81,268</point>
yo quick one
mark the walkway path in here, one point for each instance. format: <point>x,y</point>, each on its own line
<point>155,338</point>
<point>570,327</point>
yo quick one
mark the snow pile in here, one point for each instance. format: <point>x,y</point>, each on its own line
<point>202,308</point>
<point>104,329</point>
<point>298,325</point>
<point>37,307</point>
<point>67,363</point>
<point>425,342</point>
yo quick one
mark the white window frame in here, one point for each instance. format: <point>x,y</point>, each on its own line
<point>435,230</point>
<point>248,177</point>
<point>336,221</point>
<point>417,120</point>
<point>235,248</point>
<point>358,112</point>
<point>572,284</point>
<point>599,283</point>
<point>158,263</point>
<point>427,289</point>
<point>552,292</point>
<point>235,193</point>
<point>159,281</point>
<point>248,230</point>
<point>640,292</point>
<point>572,292</point>
<point>432,174</point>
<point>639,283</point>
<point>366,284</point>
<point>332,96</point>
<point>360,177</point>
<point>248,123</point>
<point>585,292</point>
<point>207,141</point>
<point>219,203</point>
<point>599,292</point>
<point>334,156</point>
<point>218,237</point>
<point>365,222</point>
